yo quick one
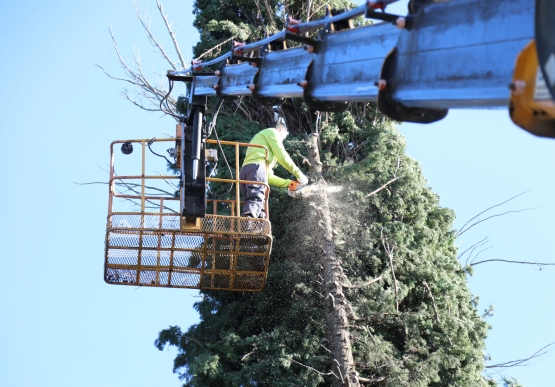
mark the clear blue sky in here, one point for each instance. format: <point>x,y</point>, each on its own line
<point>61,325</point>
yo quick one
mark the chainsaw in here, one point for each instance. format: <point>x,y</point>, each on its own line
<point>297,191</point>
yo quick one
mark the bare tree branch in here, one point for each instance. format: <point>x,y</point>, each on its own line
<point>523,362</point>
<point>259,12</point>
<point>373,380</point>
<point>478,253</point>
<point>477,244</point>
<point>363,285</point>
<point>207,52</point>
<point>494,216</point>
<point>308,6</point>
<point>247,355</point>
<point>311,368</point>
<point>382,187</point>
<point>154,93</point>
<point>240,106</point>
<point>130,184</point>
<point>125,94</point>
<point>317,10</point>
<point>120,58</point>
<point>131,188</point>
<point>509,261</point>
<point>489,208</point>
<point>146,22</point>
<point>339,369</point>
<point>194,340</point>
<point>172,34</point>
<point>115,78</point>
<point>270,16</point>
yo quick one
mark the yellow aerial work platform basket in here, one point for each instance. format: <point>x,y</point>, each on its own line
<point>155,246</point>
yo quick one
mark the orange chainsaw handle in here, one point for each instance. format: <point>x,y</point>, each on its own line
<point>293,186</point>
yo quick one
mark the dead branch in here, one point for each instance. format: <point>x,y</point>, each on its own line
<point>154,205</point>
<point>196,341</point>
<point>270,16</point>
<point>355,150</point>
<point>494,216</point>
<point>474,246</point>
<point>523,362</point>
<point>131,187</point>
<point>433,301</point>
<point>316,11</point>
<point>311,368</point>
<point>307,163</point>
<point>130,184</point>
<point>339,369</point>
<point>351,314</point>
<point>479,252</point>
<point>509,261</point>
<point>146,26</point>
<point>382,187</point>
<point>363,285</point>
<point>153,93</point>
<point>489,208</point>
<point>357,328</point>
<point>125,94</point>
<point>115,78</point>
<point>389,251</point>
<point>373,380</point>
<point>148,200</point>
<point>168,182</point>
<point>247,355</point>
<point>172,34</point>
<point>487,312</point>
<point>240,106</point>
<point>214,48</point>
<point>486,210</point>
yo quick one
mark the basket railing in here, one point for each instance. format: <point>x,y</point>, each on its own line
<point>143,198</point>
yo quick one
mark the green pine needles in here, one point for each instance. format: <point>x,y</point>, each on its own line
<point>414,326</point>
<point>410,314</point>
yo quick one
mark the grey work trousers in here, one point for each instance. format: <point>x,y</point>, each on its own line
<point>253,194</point>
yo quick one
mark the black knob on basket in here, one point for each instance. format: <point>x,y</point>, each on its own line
<point>127,148</point>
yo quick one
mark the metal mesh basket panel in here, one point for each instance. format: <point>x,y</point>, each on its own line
<point>228,253</point>
<point>251,262</point>
<point>185,279</point>
<point>249,281</point>
<point>216,281</point>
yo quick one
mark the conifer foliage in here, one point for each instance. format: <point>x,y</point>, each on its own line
<point>411,318</point>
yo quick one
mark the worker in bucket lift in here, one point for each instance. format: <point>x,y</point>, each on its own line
<point>255,168</point>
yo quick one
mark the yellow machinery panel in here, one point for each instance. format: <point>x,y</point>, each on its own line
<point>531,106</point>
<point>154,247</point>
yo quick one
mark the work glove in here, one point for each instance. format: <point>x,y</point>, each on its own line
<point>294,185</point>
<point>303,180</point>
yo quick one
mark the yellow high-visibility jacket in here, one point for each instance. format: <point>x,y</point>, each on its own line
<point>276,154</point>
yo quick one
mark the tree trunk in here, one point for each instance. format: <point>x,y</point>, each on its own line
<point>337,328</point>
<point>314,157</point>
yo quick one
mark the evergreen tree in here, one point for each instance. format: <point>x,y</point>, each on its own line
<point>411,318</point>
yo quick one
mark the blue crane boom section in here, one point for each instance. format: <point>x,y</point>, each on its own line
<point>450,54</point>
